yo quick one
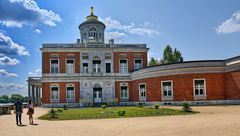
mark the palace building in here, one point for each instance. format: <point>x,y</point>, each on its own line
<point>91,72</point>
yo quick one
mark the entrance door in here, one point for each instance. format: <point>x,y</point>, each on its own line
<point>97,95</point>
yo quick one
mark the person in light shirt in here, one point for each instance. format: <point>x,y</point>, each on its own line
<point>30,111</point>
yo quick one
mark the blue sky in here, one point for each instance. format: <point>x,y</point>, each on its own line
<point>201,30</point>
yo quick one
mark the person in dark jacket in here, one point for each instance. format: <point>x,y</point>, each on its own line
<point>18,110</point>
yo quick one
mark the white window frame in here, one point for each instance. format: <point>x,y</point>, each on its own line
<point>121,85</point>
<point>204,89</point>
<point>139,90</point>
<point>135,63</point>
<point>54,100</point>
<point>70,85</point>
<point>167,97</point>
<point>120,65</point>
<point>51,66</point>
<point>67,66</point>
<point>97,67</point>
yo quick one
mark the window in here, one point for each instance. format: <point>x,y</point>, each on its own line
<point>54,93</point>
<point>124,91</point>
<point>54,66</point>
<point>85,67</point>
<point>85,55</point>
<point>108,67</point>
<point>70,93</point>
<point>96,66</point>
<point>70,66</point>
<point>123,66</point>
<point>138,64</point>
<point>142,91</point>
<point>167,88</point>
<point>92,35</point>
<point>199,87</point>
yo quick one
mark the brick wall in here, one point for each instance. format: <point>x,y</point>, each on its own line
<point>62,88</point>
<point>62,56</point>
<point>130,56</point>
<point>232,80</point>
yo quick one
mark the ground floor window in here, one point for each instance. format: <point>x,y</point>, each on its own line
<point>70,93</point>
<point>142,91</point>
<point>199,87</point>
<point>55,93</point>
<point>124,91</point>
<point>167,88</point>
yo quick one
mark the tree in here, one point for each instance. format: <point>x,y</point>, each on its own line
<point>152,62</point>
<point>4,99</point>
<point>14,97</point>
<point>170,56</point>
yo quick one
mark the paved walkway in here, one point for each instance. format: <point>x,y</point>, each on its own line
<point>212,121</point>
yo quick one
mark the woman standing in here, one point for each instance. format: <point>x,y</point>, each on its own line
<point>30,111</point>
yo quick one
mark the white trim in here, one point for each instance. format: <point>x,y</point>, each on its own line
<point>120,64</point>
<point>51,65</point>
<point>70,85</point>
<point>167,97</point>
<point>205,89</point>
<point>66,65</point>
<point>124,84</point>
<point>142,98</point>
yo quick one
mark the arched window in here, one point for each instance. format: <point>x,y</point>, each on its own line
<point>92,34</point>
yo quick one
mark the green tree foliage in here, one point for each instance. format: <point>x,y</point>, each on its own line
<point>4,99</point>
<point>170,56</point>
<point>153,62</point>
<point>12,98</point>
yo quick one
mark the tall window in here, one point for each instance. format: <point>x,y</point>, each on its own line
<point>167,88</point>
<point>85,67</point>
<point>96,66</point>
<point>108,67</point>
<point>124,91</point>
<point>92,35</point>
<point>54,65</point>
<point>137,64</point>
<point>142,91</point>
<point>70,66</point>
<point>54,93</point>
<point>70,93</point>
<point>123,66</point>
<point>199,87</point>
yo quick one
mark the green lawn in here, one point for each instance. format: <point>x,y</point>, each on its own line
<point>99,113</point>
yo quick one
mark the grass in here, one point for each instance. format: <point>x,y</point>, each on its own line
<point>99,113</point>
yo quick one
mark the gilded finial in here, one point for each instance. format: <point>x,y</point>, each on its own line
<point>92,8</point>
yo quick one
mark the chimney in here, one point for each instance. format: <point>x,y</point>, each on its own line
<point>111,41</point>
<point>78,41</point>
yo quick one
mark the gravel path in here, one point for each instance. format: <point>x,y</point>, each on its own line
<point>212,121</point>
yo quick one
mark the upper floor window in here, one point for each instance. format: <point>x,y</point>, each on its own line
<point>70,66</point>
<point>138,64</point>
<point>85,67</point>
<point>123,66</point>
<point>167,88</point>
<point>96,66</point>
<point>92,35</point>
<point>54,65</point>
<point>108,67</point>
<point>199,87</point>
<point>142,91</point>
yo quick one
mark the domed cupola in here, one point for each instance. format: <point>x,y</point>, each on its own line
<point>92,30</point>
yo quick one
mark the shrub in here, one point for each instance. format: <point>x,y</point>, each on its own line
<point>121,112</point>
<point>65,107</point>
<point>103,106</point>
<point>186,107</point>
<point>59,110</point>
<point>156,106</point>
<point>53,113</point>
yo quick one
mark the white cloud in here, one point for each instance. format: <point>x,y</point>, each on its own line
<point>141,29</point>
<point>230,25</point>
<point>117,36</point>
<point>11,88</point>
<point>38,31</point>
<point>8,47</point>
<point>5,60</point>
<point>16,13</point>
<point>3,72</point>
<point>36,73</point>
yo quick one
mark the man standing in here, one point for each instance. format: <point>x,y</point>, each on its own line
<point>18,110</point>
